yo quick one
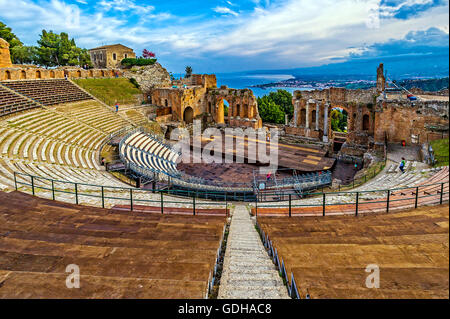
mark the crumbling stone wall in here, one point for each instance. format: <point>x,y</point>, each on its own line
<point>34,73</point>
<point>5,58</point>
<point>200,93</point>
<point>243,107</point>
<point>149,77</point>
<point>312,110</point>
<point>399,121</point>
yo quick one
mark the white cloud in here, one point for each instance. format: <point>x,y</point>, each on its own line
<point>125,5</point>
<point>285,33</point>
<point>225,10</point>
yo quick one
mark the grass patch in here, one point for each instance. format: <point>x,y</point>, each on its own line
<point>112,90</point>
<point>441,152</point>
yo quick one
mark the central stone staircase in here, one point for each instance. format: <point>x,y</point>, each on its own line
<point>248,272</point>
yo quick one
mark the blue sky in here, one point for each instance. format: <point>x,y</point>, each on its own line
<point>230,35</point>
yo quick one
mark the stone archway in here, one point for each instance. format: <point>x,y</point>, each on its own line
<point>23,75</point>
<point>366,123</point>
<point>52,74</point>
<point>303,117</point>
<point>344,110</point>
<point>38,75</point>
<point>7,75</point>
<point>188,115</point>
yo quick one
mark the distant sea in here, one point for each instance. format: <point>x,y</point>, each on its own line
<point>243,81</point>
<point>246,80</point>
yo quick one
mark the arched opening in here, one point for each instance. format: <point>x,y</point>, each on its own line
<point>338,124</point>
<point>52,74</point>
<point>23,75</point>
<point>38,74</point>
<point>188,115</point>
<point>238,110</point>
<point>338,119</point>
<point>149,99</point>
<point>102,73</point>
<point>245,110</point>
<point>114,56</point>
<point>7,75</point>
<point>366,122</point>
<point>303,117</point>
<point>166,103</point>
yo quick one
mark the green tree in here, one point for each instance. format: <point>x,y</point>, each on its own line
<point>20,54</point>
<point>338,120</point>
<point>59,50</point>
<point>188,71</point>
<point>7,34</point>
<point>283,99</point>
<point>269,111</point>
<point>23,54</point>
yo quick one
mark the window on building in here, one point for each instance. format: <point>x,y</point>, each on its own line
<point>114,56</point>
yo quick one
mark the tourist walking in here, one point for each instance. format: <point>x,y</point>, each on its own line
<point>117,107</point>
<point>402,165</point>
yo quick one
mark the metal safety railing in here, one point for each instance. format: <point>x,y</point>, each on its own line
<point>100,194</point>
<point>291,286</point>
<point>356,202</point>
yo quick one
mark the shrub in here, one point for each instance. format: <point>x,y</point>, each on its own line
<point>135,83</point>
<point>137,62</point>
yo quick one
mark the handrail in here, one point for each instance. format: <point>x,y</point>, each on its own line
<point>212,193</point>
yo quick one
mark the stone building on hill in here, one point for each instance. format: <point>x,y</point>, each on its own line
<point>110,56</point>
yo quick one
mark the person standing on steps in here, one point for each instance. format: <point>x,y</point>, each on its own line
<point>117,107</point>
<point>402,165</point>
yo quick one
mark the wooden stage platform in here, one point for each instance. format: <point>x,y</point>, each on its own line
<point>303,158</point>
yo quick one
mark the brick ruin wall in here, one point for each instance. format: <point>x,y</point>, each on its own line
<point>5,58</point>
<point>202,95</point>
<point>417,124</point>
<point>371,119</point>
<point>33,73</point>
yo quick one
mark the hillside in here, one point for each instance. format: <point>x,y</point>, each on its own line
<point>113,90</point>
<point>430,85</point>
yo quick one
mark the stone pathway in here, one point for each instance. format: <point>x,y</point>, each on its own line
<point>248,272</point>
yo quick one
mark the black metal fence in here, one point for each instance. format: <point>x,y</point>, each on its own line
<point>364,201</point>
<point>55,189</point>
<point>279,263</point>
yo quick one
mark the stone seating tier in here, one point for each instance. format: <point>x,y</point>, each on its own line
<point>48,92</point>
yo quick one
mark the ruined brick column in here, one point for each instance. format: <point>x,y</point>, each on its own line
<point>5,58</point>
<point>307,114</point>
<point>325,123</point>
<point>297,105</point>
<point>317,116</point>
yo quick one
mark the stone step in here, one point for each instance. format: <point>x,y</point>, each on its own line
<point>257,293</point>
<point>248,271</point>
